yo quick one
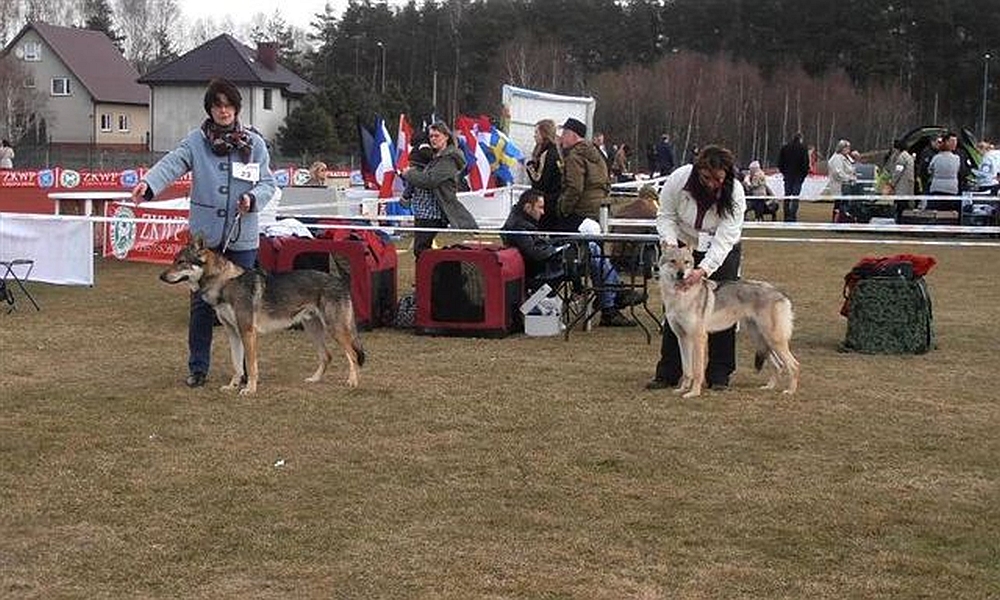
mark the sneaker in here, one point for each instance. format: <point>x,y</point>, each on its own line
<point>195,380</point>
<point>628,297</point>
<point>614,318</point>
<point>718,386</point>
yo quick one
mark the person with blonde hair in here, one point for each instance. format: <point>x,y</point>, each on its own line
<point>317,173</point>
<point>544,170</point>
<point>840,169</point>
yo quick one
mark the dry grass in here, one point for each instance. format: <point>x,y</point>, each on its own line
<point>521,467</point>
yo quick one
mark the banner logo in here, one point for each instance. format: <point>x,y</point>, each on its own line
<point>122,232</point>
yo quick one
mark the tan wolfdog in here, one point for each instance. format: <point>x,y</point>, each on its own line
<point>707,306</point>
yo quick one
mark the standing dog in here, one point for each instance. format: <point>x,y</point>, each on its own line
<point>707,306</point>
<point>249,303</point>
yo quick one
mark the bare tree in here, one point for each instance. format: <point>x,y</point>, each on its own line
<point>20,105</point>
<point>132,21</point>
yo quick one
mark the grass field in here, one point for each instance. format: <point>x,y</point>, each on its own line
<point>513,468</point>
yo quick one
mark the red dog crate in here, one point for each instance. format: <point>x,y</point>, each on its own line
<point>372,262</point>
<point>469,290</point>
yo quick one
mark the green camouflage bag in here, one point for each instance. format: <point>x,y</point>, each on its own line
<point>889,315</point>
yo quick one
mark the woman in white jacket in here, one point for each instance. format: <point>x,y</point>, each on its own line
<point>702,206</point>
<point>840,169</point>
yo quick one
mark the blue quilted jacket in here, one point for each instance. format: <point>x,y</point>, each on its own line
<point>215,191</point>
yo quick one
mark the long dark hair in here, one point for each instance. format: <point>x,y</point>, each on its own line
<point>714,158</point>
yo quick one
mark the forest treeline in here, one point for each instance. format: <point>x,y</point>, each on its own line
<point>747,74</point>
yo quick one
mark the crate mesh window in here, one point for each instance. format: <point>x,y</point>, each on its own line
<point>458,292</point>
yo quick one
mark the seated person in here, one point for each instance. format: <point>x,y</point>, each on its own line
<point>629,256</point>
<point>758,193</point>
<point>544,260</point>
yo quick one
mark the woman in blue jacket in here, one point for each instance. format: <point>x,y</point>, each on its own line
<point>231,183</point>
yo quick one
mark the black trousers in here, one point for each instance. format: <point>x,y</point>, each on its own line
<point>721,345</point>
<point>422,240</point>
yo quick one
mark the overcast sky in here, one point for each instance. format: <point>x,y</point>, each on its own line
<point>295,12</point>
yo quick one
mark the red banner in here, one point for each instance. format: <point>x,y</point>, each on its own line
<point>144,242</point>
<point>59,179</point>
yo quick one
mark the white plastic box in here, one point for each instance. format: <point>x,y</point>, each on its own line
<point>542,325</point>
<point>542,314</point>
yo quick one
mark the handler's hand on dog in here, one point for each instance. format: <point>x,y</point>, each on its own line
<point>139,192</point>
<point>692,278</point>
<point>244,204</point>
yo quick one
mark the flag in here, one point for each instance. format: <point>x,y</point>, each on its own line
<point>477,165</point>
<point>502,153</point>
<point>384,159</point>
<point>404,137</point>
<point>366,141</point>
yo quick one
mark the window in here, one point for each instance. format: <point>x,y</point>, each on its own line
<point>29,81</point>
<point>105,122</point>
<point>122,122</point>
<point>268,100</point>
<point>33,51</point>
<point>60,86</point>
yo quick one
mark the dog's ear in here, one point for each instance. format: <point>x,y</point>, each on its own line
<point>198,241</point>
<point>666,248</point>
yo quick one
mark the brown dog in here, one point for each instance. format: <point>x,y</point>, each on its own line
<point>250,303</point>
<point>707,306</point>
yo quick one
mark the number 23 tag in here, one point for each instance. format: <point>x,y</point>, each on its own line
<point>247,171</point>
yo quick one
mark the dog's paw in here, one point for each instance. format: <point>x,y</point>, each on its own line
<point>230,386</point>
<point>248,391</point>
<point>313,379</point>
<point>352,382</point>
<point>692,394</point>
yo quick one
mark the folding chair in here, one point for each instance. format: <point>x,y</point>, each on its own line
<point>10,274</point>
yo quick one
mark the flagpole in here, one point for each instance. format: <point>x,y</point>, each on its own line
<point>434,92</point>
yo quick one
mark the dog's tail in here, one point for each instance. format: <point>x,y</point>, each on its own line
<point>780,322</point>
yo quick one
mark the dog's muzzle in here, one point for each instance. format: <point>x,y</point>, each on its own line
<point>679,276</point>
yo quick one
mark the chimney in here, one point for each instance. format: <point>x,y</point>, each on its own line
<point>267,54</point>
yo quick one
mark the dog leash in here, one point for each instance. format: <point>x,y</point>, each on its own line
<point>232,230</point>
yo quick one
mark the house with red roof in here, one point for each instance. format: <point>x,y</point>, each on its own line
<point>270,90</point>
<point>91,94</point>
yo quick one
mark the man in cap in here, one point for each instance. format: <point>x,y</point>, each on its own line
<point>585,177</point>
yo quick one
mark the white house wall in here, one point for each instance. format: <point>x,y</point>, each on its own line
<point>177,110</point>
<point>69,119</point>
<point>138,122</point>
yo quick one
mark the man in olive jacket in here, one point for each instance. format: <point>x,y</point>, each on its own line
<point>585,177</point>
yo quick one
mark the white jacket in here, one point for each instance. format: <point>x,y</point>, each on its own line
<point>675,220</point>
<point>840,170</point>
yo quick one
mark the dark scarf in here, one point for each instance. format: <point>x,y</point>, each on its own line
<point>223,140</point>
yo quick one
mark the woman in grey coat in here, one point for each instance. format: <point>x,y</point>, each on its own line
<point>435,190</point>
<point>231,183</point>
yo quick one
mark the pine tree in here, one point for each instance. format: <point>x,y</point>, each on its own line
<point>99,17</point>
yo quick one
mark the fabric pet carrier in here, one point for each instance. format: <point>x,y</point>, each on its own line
<point>372,265</point>
<point>469,290</point>
<point>888,306</point>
